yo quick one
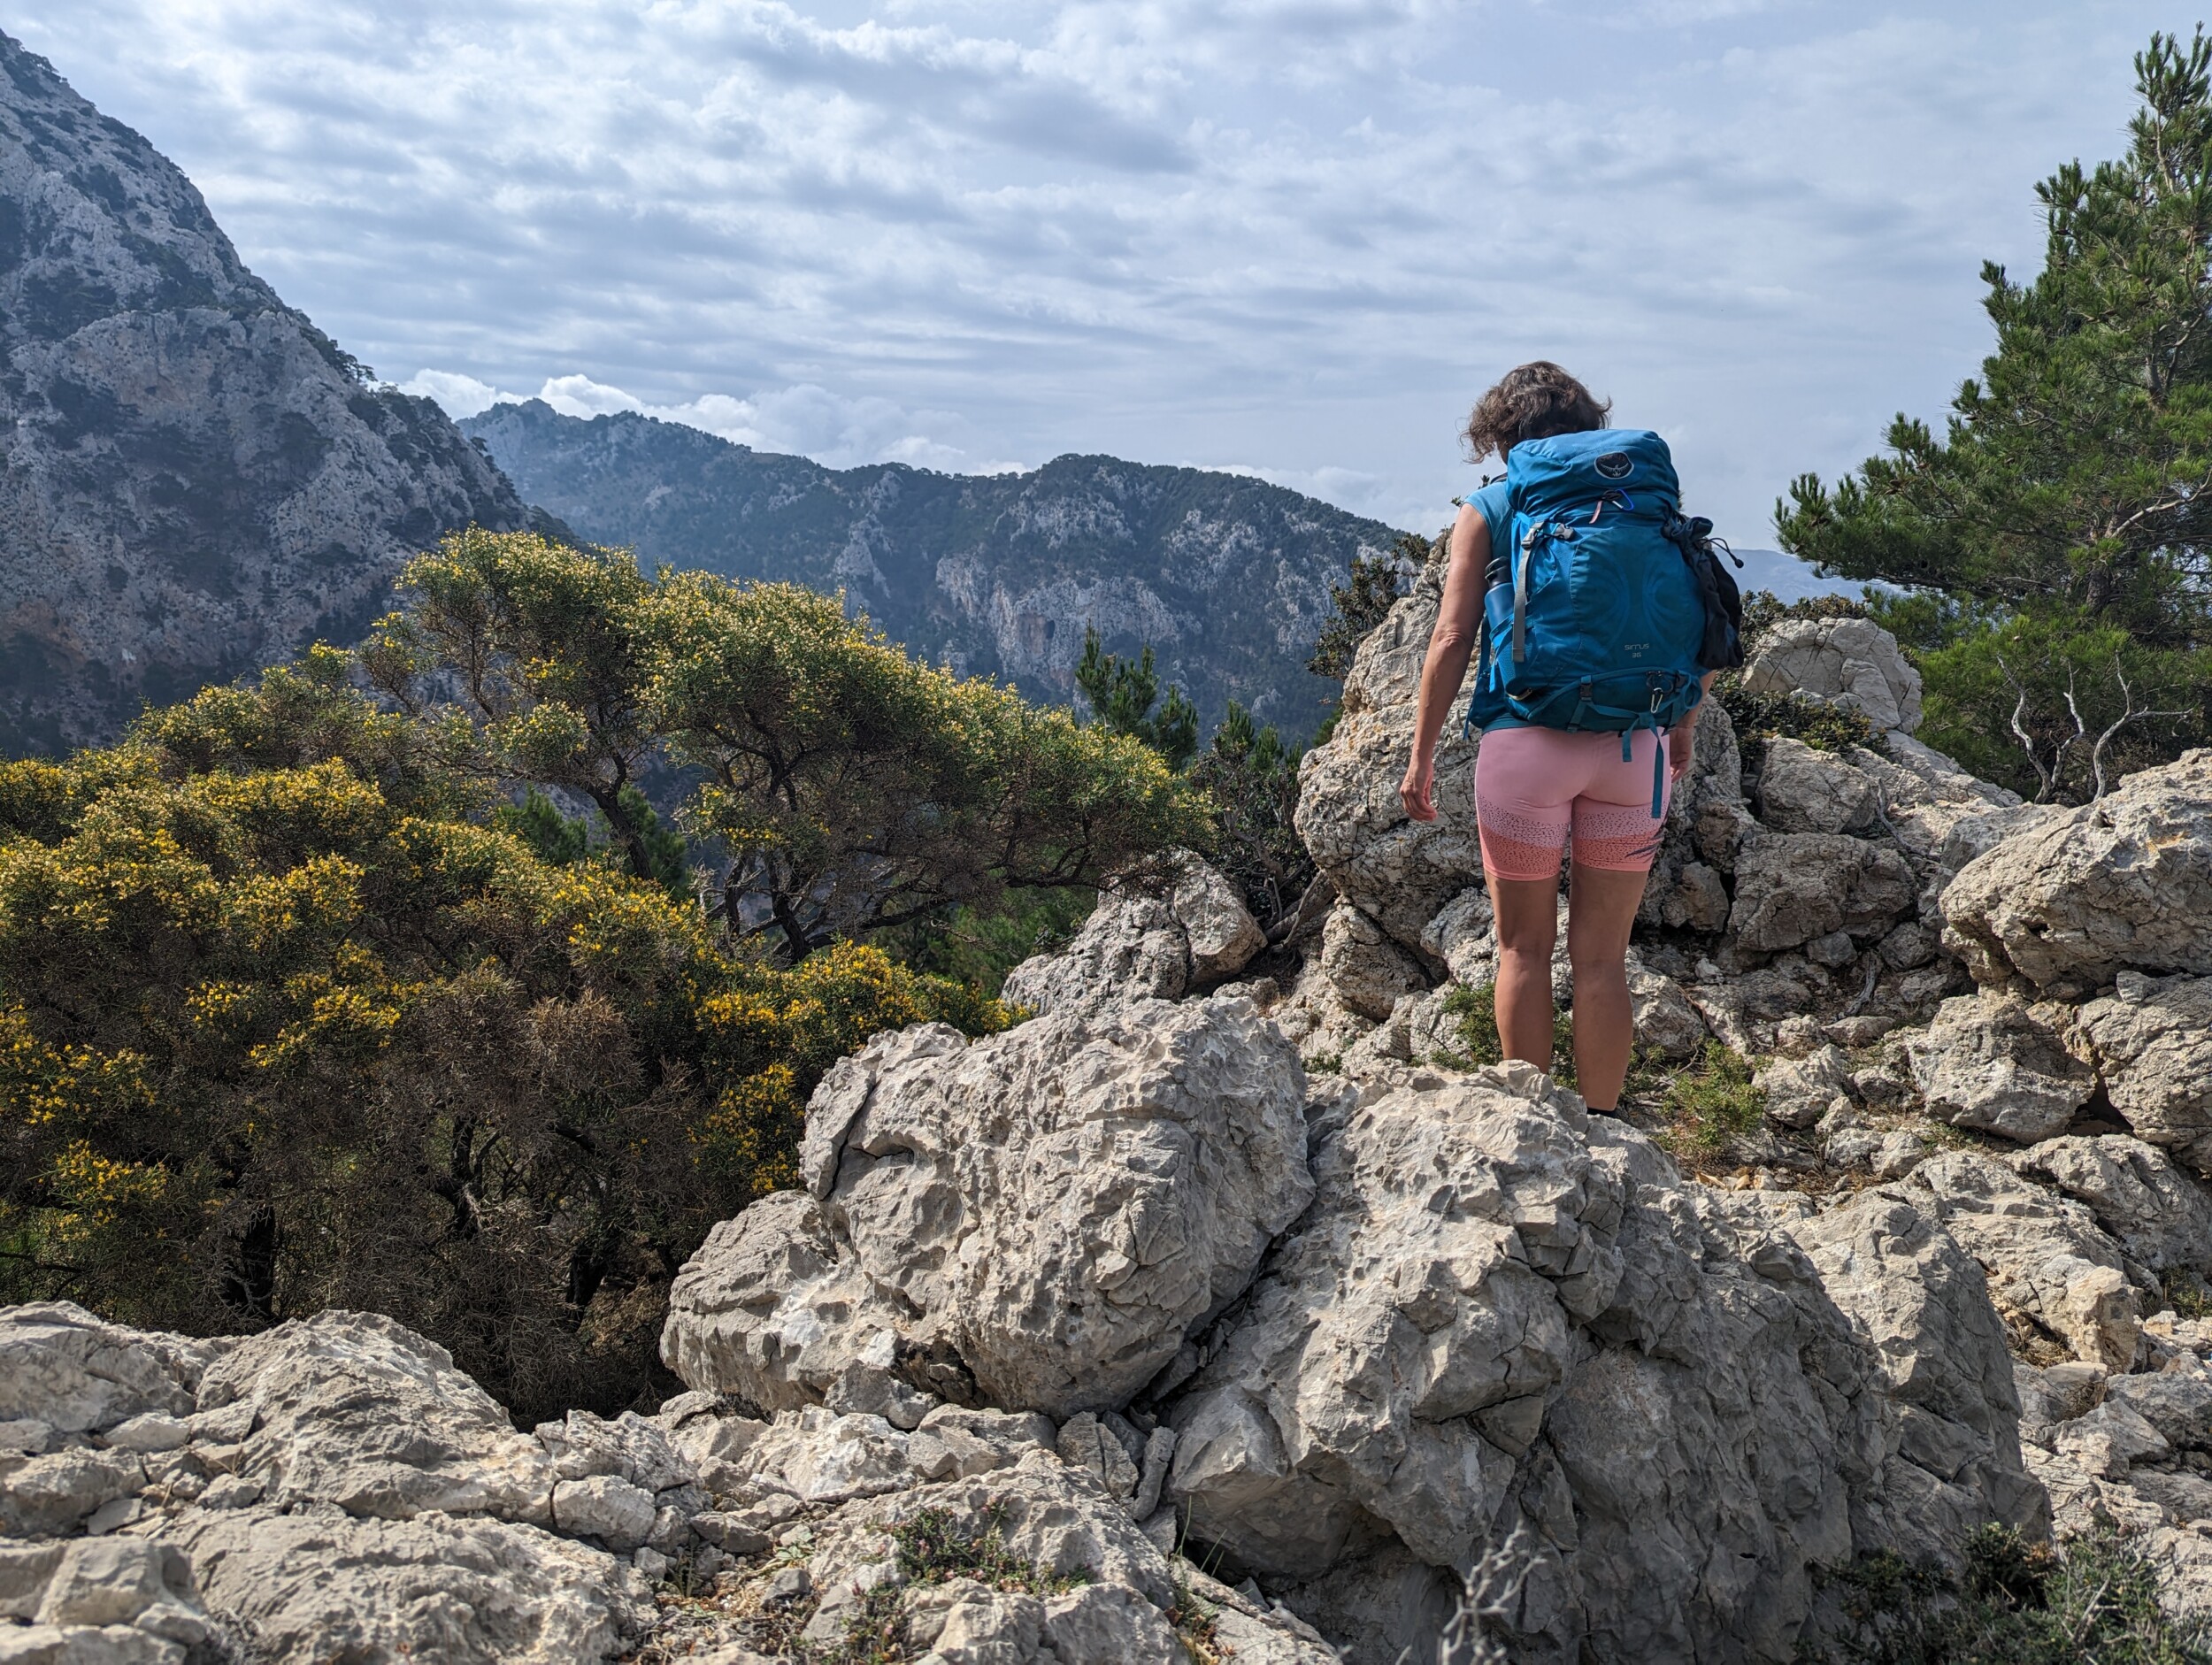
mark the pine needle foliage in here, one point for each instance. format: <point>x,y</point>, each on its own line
<point>2065,508</point>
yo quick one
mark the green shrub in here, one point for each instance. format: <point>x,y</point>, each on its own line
<point>1708,1103</point>
<point>1477,1012</point>
<point>935,1546</point>
<point>2093,1601</point>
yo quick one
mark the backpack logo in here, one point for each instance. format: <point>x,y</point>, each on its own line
<point>1613,465</point>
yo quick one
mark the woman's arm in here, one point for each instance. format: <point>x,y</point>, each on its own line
<point>1451,645</point>
<point>1682,739</point>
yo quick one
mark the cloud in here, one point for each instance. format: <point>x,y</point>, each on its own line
<point>1297,234</point>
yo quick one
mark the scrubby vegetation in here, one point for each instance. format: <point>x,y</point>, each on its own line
<point>309,999</point>
<point>1707,1104</point>
<point>2092,1599</point>
<point>2052,536</point>
<point>933,1547</point>
<point>1475,1014</point>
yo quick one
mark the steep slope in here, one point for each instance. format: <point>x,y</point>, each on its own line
<point>197,480</point>
<point>1226,576</point>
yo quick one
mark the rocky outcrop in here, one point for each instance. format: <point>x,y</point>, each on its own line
<point>1991,1061</point>
<point>1498,1320</point>
<point>2120,885</point>
<point>196,480</point>
<point>1850,663</point>
<point>2151,1038</point>
<point>1172,928</point>
<point>1501,1314</point>
<point>1398,871</point>
<point>1039,1218</point>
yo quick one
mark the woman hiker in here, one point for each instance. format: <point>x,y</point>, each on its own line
<point>1576,580</point>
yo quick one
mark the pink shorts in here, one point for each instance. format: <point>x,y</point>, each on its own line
<point>1533,784</point>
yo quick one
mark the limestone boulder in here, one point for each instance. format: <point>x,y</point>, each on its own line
<point>354,1410</point>
<point>1948,1406</point>
<point>1850,663</point>
<point>1794,887</point>
<point>2159,1215</point>
<point>1502,1314</point>
<point>2071,902</point>
<point>1799,1091</point>
<point>2051,1268</point>
<point>1040,1218</point>
<point>1173,926</point>
<point>1397,871</point>
<point>1939,815</point>
<point>61,1366</point>
<point>1118,1587</point>
<point>1802,790</point>
<point>1706,820</point>
<point>1369,971</point>
<point>1991,1061</point>
<point>316,1584</point>
<point>2151,1038</point>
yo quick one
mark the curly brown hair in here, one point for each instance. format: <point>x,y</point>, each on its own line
<point>1530,403</point>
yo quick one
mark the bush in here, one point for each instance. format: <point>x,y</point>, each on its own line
<point>1477,1012</point>
<point>2093,1600</point>
<point>1708,1103</point>
<point>287,1023</point>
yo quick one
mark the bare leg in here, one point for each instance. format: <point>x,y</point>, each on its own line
<point>1601,905</point>
<point>1527,912</point>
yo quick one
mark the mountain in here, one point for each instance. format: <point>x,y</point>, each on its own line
<point>1789,579</point>
<point>197,480</point>
<point>1227,578</point>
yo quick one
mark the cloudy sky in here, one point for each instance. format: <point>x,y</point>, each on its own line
<point>1290,236</point>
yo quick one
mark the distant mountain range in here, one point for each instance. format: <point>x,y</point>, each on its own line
<point>194,479</point>
<point>1226,577</point>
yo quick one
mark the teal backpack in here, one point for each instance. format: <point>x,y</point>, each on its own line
<point>1604,606</point>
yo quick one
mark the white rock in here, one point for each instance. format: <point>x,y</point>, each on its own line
<point>1851,662</point>
<point>2152,1042</point>
<point>1802,790</point>
<point>150,1431</point>
<point>1045,1214</point>
<point>1792,887</point>
<point>605,1506</point>
<point>54,1493</point>
<point>1174,925</point>
<point>1369,971</point>
<point>1801,1091</point>
<point>112,1580</point>
<point>1489,1316</point>
<point>355,1410</point>
<point>316,1584</point>
<point>2124,884</point>
<point>61,1366</point>
<point>2159,1215</point>
<point>821,1457</point>
<point>1991,1060</point>
<point>2047,1259</point>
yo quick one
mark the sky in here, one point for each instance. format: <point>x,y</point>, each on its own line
<point>1290,237</point>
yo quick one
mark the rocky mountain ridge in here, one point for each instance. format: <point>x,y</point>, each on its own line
<point>196,481</point>
<point>1222,1311</point>
<point>1226,578</point>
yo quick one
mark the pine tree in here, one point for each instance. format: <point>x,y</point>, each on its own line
<point>1122,694</point>
<point>2065,512</point>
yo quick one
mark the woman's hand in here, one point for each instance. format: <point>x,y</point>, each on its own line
<point>1417,791</point>
<point>1681,749</point>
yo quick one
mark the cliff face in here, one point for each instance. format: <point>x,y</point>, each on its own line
<point>1227,578</point>
<point>197,480</point>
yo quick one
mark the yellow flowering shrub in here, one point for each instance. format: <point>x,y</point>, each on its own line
<point>285,1024</point>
